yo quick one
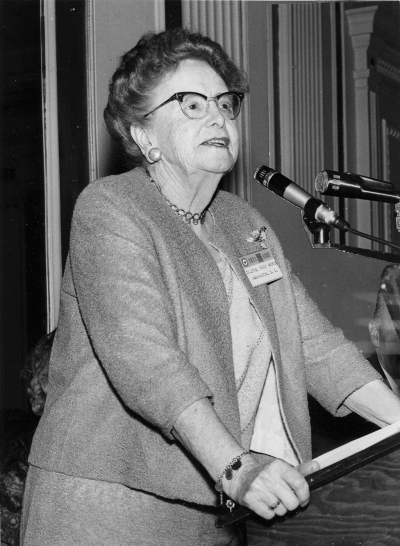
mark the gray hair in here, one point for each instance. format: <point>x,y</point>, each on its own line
<point>144,67</point>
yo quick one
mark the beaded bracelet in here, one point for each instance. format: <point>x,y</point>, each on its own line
<point>235,464</point>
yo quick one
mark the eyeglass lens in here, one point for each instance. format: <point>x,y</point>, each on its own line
<point>195,106</point>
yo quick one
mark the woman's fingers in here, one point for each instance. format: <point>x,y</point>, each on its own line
<point>308,468</point>
<point>277,508</point>
<point>296,488</point>
<point>287,484</point>
<point>268,511</point>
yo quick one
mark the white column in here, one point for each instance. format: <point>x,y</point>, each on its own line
<point>226,23</point>
<point>51,162</point>
<point>362,213</point>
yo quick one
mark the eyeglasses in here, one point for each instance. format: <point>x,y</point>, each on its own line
<point>195,105</point>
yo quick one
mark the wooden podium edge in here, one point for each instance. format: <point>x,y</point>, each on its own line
<point>327,475</point>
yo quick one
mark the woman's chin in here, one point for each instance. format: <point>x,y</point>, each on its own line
<point>220,164</point>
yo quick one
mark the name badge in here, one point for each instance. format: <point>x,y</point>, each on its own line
<point>261,268</point>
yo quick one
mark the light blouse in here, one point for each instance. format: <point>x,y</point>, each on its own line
<point>261,416</point>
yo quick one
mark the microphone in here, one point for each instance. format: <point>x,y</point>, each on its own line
<point>313,208</point>
<point>356,186</point>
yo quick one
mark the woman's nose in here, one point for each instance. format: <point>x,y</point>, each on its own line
<point>214,113</point>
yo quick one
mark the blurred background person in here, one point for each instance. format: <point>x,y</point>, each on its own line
<point>18,430</point>
<point>384,328</point>
<point>329,432</point>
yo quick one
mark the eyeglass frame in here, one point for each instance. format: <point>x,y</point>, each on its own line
<point>179,97</point>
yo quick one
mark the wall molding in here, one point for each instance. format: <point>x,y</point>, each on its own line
<point>93,127</point>
<point>302,95</point>
<point>51,162</point>
<point>361,25</point>
<point>159,15</point>
<point>388,70</point>
<point>393,132</point>
<point>372,31</point>
<point>286,85</point>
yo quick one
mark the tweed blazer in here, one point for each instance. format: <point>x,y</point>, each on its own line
<point>144,332</point>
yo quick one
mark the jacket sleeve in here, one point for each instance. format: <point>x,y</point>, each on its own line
<point>128,311</point>
<point>334,366</point>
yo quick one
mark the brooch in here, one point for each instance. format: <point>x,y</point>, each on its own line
<point>259,235</point>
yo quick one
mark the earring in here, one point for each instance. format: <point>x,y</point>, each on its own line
<point>154,155</point>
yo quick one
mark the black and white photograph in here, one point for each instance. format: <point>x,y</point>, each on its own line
<point>199,273</point>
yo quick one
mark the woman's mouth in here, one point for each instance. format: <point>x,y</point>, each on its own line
<point>218,142</point>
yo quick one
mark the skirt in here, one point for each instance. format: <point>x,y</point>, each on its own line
<point>61,510</point>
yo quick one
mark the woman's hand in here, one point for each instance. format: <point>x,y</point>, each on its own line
<point>256,486</point>
<point>271,489</point>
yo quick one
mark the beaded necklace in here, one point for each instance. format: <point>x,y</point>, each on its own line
<point>185,216</point>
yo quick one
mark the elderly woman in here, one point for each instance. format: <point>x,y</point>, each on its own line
<point>175,382</point>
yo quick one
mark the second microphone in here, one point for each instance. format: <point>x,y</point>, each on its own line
<point>291,192</point>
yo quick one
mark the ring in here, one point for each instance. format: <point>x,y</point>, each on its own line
<point>275,505</point>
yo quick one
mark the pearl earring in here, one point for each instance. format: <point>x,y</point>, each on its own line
<point>154,155</point>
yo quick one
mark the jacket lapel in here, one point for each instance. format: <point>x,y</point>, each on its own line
<point>259,296</point>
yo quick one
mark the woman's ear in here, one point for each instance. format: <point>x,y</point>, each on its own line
<point>374,333</point>
<point>140,136</point>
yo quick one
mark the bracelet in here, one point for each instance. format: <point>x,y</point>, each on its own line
<point>235,464</point>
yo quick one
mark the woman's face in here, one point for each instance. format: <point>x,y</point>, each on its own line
<point>192,145</point>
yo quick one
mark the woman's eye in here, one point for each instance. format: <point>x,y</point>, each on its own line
<point>192,105</point>
<point>225,105</point>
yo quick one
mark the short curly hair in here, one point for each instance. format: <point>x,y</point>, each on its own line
<point>144,67</point>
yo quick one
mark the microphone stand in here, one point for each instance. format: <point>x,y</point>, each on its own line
<point>318,234</point>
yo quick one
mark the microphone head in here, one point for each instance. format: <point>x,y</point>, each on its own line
<point>321,181</point>
<point>261,172</point>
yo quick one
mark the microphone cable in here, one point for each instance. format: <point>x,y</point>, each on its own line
<point>372,238</point>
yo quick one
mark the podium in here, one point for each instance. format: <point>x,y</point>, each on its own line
<point>355,499</point>
<point>360,508</point>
